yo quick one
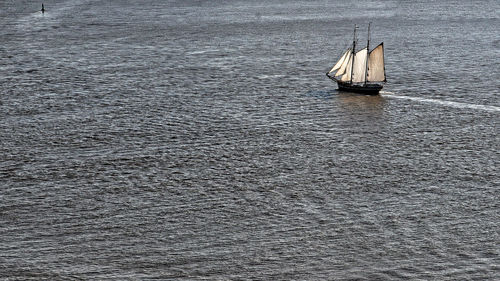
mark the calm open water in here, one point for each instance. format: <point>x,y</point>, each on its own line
<point>201,140</point>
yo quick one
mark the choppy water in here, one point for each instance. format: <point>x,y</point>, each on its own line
<point>202,140</point>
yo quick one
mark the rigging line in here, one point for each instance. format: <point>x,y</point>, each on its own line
<point>344,43</point>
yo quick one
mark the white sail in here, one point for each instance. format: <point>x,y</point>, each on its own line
<point>343,67</point>
<point>359,68</point>
<point>339,63</point>
<point>347,76</point>
<point>376,72</point>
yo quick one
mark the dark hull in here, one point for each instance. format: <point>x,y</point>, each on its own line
<point>367,89</point>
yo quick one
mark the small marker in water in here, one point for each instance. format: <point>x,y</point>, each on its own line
<point>43,9</point>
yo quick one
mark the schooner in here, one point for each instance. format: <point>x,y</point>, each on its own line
<point>360,71</point>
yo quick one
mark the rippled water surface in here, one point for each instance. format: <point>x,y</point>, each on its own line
<point>202,140</point>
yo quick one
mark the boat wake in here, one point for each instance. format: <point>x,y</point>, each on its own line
<point>443,102</point>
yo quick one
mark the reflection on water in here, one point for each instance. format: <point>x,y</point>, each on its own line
<point>363,104</point>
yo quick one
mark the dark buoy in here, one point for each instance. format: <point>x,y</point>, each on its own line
<point>43,9</point>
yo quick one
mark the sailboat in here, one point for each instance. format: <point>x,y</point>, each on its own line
<point>360,71</point>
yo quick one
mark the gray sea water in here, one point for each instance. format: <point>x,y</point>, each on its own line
<point>153,140</point>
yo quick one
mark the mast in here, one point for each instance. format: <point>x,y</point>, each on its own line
<point>353,51</point>
<point>367,52</point>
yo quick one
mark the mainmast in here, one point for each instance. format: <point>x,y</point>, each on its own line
<point>367,52</point>
<point>353,51</point>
